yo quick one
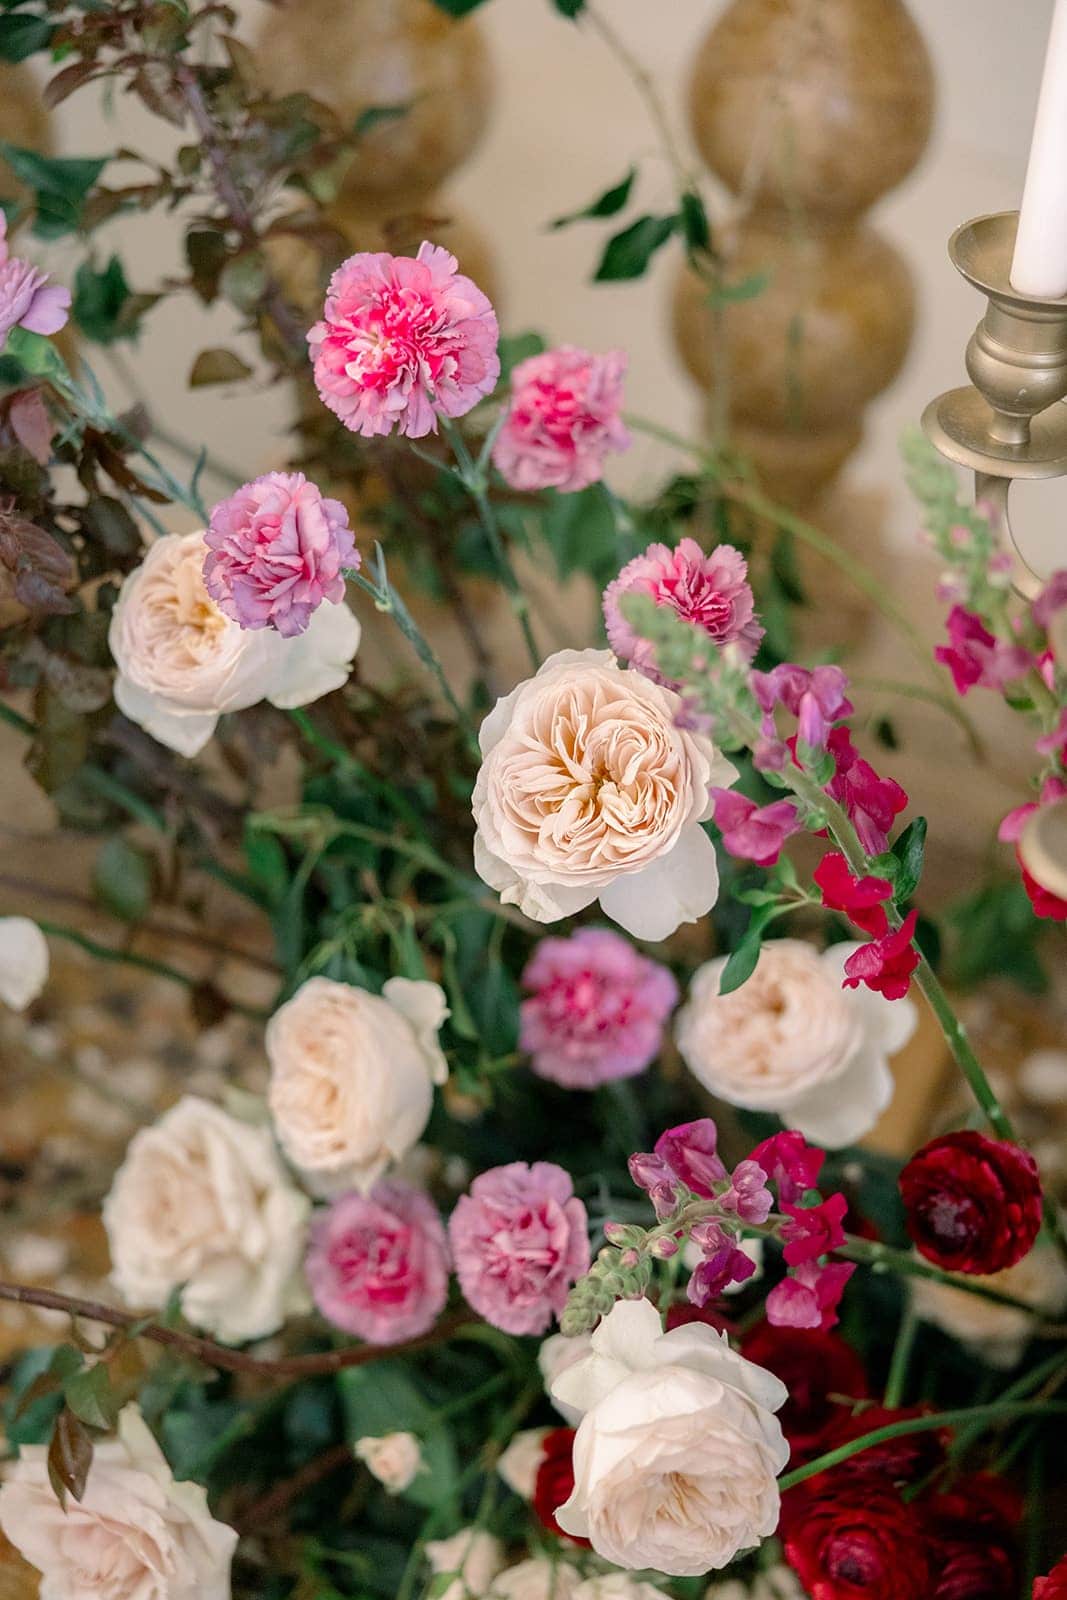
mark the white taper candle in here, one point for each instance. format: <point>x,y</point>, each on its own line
<point>1039,266</point>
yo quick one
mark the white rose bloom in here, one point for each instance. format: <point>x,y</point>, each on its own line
<point>352,1076</point>
<point>537,1579</point>
<point>476,1558</point>
<point>520,1462</point>
<point>393,1458</point>
<point>776,1583</point>
<point>617,1586</point>
<point>203,1203</point>
<point>678,1451</point>
<point>182,663</point>
<point>589,790</point>
<point>999,1334</point>
<point>558,1352</point>
<point>135,1534</point>
<point>791,1040</point>
<point>23,962</point>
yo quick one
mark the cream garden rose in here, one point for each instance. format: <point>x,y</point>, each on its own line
<point>182,663</point>
<point>393,1458</point>
<point>352,1076</point>
<point>617,1586</point>
<point>202,1203</point>
<point>520,1463</point>
<point>555,1355</point>
<point>677,1452</point>
<point>589,790</point>
<point>23,962</point>
<point>135,1534</point>
<point>791,1040</point>
<point>473,1555</point>
<point>539,1578</point>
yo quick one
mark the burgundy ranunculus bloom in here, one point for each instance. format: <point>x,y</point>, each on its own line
<point>974,1529</point>
<point>906,1459</point>
<point>813,1366</point>
<point>1053,1586</point>
<point>973,1204</point>
<point>854,1540</point>
<point>555,1480</point>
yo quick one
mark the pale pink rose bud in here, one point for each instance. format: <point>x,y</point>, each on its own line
<point>402,341</point>
<point>563,418</point>
<point>276,550</point>
<point>520,1239</point>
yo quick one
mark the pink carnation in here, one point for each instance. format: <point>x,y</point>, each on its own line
<point>596,1009</point>
<point>562,420</point>
<point>25,302</point>
<point>403,340</point>
<point>276,551</point>
<point>377,1264</point>
<point>711,591</point>
<point>520,1239</point>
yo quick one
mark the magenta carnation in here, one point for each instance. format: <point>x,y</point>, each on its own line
<point>596,1010</point>
<point>403,340</point>
<point>711,591</point>
<point>519,1239</point>
<point>276,551</point>
<point>562,420</point>
<point>25,301</point>
<point>377,1264</point>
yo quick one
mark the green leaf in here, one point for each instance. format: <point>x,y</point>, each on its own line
<point>60,185</point>
<point>458,8</point>
<point>90,1396</point>
<point>909,850</point>
<point>606,205</point>
<point>371,116</point>
<point>745,289</point>
<point>381,1400</point>
<point>122,879</point>
<point>517,347</point>
<point>580,531</point>
<point>35,354</point>
<point>742,962</point>
<point>695,225</point>
<point>22,36</point>
<point>217,365</point>
<point>628,253</point>
<point>569,8</point>
<point>268,865</point>
<point>70,1455</point>
<point>99,299</point>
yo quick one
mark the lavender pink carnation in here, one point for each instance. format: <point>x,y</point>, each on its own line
<point>377,1264</point>
<point>711,591</point>
<point>276,550</point>
<point>520,1239</point>
<point>26,300</point>
<point>562,420</point>
<point>403,340</point>
<point>596,1008</point>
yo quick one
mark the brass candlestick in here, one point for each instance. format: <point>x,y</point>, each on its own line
<point>1007,423</point>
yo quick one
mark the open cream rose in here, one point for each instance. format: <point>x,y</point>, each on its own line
<point>202,1203</point>
<point>352,1076</point>
<point>135,1534</point>
<point>539,1578</point>
<point>473,1555</point>
<point>589,790</point>
<point>182,663</point>
<point>677,1453</point>
<point>791,1040</point>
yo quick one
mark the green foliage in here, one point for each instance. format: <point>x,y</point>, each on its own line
<point>60,185</point>
<point>627,254</point>
<point>605,205</point>
<point>104,307</point>
<point>122,879</point>
<point>22,35</point>
<point>994,933</point>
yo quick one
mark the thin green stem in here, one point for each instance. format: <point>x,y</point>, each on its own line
<point>15,719</point>
<point>998,1411</point>
<point>130,958</point>
<point>901,1359</point>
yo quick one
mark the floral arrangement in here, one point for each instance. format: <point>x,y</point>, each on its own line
<point>547,1263</point>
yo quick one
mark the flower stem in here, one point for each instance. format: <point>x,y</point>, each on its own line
<point>902,1349</point>
<point>129,958</point>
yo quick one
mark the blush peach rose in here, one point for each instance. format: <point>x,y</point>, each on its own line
<point>589,790</point>
<point>135,1534</point>
<point>352,1077</point>
<point>182,663</point>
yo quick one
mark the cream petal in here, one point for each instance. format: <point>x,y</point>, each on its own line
<point>839,1112</point>
<point>317,661</point>
<point>425,1007</point>
<point>186,732</point>
<point>681,886</point>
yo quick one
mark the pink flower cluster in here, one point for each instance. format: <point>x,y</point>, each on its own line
<point>596,1008</point>
<point>403,340</point>
<point>377,1264</point>
<point>519,1239</point>
<point>710,591</point>
<point>815,696</point>
<point>562,420</point>
<point>276,550</point>
<point>975,656</point>
<point>25,299</point>
<point>809,1296</point>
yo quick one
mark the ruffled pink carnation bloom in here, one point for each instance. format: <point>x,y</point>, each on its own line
<point>25,301</point>
<point>403,340</point>
<point>519,1239</point>
<point>276,551</point>
<point>377,1264</point>
<point>596,1010</point>
<point>709,590</point>
<point>562,420</point>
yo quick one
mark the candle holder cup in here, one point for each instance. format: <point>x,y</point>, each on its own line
<point>1006,423</point>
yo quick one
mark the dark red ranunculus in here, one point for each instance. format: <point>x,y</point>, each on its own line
<point>555,1480</point>
<point>851,1539</point>
<point>813,1366</point>
<point>973,1204</point>
<point>1053,1586</point>
<point>905,1459</point>
<point>973,1532</point>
